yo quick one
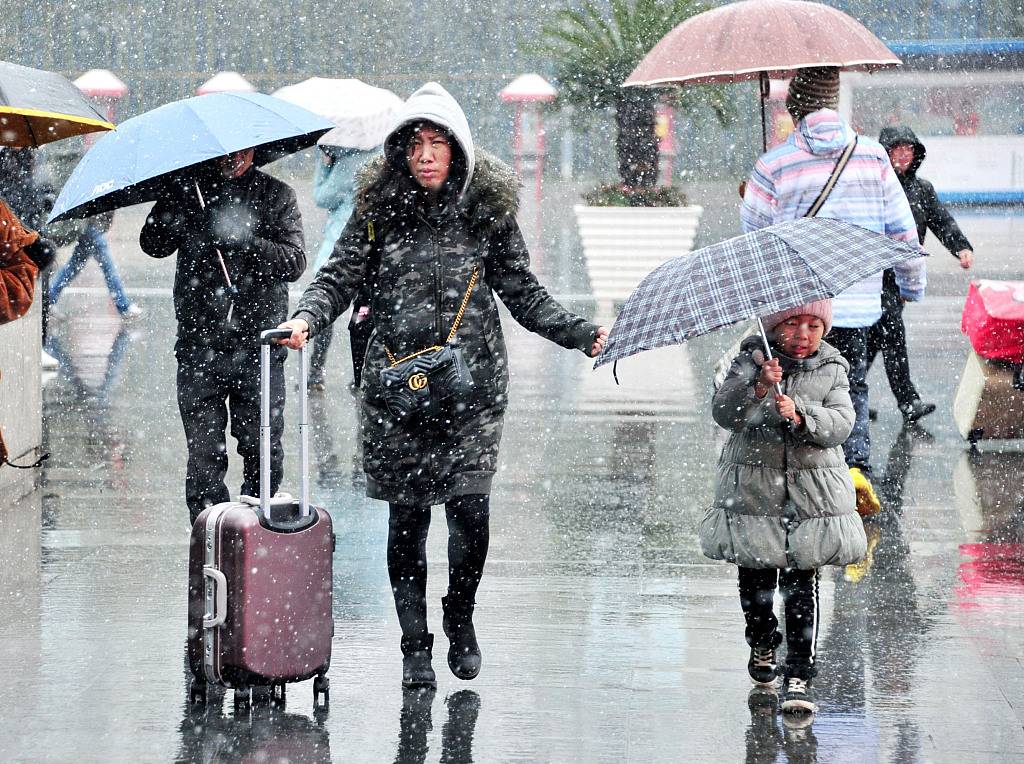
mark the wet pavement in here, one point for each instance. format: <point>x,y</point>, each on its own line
<point>607,637</point>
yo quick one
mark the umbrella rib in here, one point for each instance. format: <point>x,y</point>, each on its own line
<point>31,132</point>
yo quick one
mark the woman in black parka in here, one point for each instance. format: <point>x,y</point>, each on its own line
<point>429,214</point>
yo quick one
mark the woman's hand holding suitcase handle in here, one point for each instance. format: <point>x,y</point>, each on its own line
<point>293,333</point>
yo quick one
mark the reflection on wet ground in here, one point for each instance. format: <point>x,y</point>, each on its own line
<point>607,637</point>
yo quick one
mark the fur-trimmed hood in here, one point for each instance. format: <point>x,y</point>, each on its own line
<point>490,202</point>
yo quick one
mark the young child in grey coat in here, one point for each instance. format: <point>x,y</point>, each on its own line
<point>784,501</point>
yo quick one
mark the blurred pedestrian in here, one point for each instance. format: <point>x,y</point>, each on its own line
<point>784,502</point>
<point>785,183</point>
<point>333,188</point>
<point>252,221</point>
<point>433,216</point>
<point>93,244</point>
<point>89,236</point>
<point>888,334</point>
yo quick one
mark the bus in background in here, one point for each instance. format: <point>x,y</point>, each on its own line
<point>965,101</point>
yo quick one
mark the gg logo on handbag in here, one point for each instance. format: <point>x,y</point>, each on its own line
<point>425,380</point>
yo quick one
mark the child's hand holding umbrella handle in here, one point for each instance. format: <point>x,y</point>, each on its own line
<point>770,376</point>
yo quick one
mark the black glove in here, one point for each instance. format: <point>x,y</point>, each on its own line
<point>42,253</point>
<point>231,228</point>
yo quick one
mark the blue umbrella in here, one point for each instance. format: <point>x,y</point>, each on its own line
<point>133,163</point>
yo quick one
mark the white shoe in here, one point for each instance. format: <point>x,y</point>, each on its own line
<point>47,361</point>
<point>133,311</point>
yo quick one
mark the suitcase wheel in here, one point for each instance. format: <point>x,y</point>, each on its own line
<point>262,694</point>
<point>277,694</point>
<point>243,697</point>
<point>975,435</point>
<point>321,687</point>
<point>197,692</point>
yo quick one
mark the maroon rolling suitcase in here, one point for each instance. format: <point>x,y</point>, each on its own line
<point>261,579</point>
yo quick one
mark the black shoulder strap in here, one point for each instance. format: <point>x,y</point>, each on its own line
<point>831,182</point>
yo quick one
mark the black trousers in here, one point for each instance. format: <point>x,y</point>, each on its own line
<point>468,538</point>
<point>888,335</point>
<point>799,589</point>
<point>214,385</point>
<point>852,343</point>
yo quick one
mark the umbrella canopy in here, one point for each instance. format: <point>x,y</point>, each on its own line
<point>132,164</point>
<point>759,39</point>
<point>38,107</point>
<point>740,41</point>
<point>226,82</point>
<point>363,114</point>
<point>527,88</point>
<point>101,83</point>
<point>749,276</point>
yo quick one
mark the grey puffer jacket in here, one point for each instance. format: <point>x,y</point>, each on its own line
<point>783,497</point>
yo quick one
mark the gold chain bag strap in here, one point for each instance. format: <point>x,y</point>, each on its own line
<point>429,379</point>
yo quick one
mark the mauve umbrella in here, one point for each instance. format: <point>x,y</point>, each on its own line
<point>746,277</point>
<point>757,40</point>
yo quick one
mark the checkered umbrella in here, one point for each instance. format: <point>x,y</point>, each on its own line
<point>743,278</point>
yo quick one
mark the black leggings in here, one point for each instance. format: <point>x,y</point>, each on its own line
<point>799,589</point>
<point>468,538</point>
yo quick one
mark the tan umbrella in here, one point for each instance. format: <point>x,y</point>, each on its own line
<point>757,40</point>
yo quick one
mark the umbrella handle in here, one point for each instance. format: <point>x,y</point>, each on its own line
<point>767,350</point>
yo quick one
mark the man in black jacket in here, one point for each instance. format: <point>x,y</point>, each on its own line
<point>238,235</point>
<point>888,334</point>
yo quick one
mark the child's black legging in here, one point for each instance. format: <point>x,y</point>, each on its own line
<point>799,589</point>
<point>468,538</point>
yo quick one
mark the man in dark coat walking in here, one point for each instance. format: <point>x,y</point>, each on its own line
<point>251,220</point>
<point>888,334</point>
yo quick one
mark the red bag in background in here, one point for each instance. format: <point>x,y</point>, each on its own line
<point>994,319</point>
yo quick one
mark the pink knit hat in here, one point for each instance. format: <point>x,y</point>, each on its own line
<point>820,308</point>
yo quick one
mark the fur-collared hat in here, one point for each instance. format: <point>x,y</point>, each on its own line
<point>819,308</point>
<point>813,88</point>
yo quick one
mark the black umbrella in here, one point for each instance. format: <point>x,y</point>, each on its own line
<point>38,107</point>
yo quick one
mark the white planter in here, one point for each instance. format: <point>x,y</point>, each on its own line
<point>621,245</point>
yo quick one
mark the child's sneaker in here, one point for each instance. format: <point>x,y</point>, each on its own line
<point>797,696</point>
<point>761,665</point>
<point>867,499</point>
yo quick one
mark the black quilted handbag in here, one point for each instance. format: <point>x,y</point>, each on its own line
<point>431,380</point>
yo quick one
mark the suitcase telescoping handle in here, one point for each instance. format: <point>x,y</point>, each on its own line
<point>267,338</point>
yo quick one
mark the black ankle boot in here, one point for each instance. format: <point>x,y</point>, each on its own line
<point>464,651</point>
<point>416,668</point>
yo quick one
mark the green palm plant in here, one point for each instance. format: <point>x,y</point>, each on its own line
<point>594,48</point>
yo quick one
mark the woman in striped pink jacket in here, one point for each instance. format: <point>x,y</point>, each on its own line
<point>786,181</point>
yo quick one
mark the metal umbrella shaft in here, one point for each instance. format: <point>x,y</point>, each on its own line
<point>767,350</point>
<point>232,291</point>
<point>765,91</point>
